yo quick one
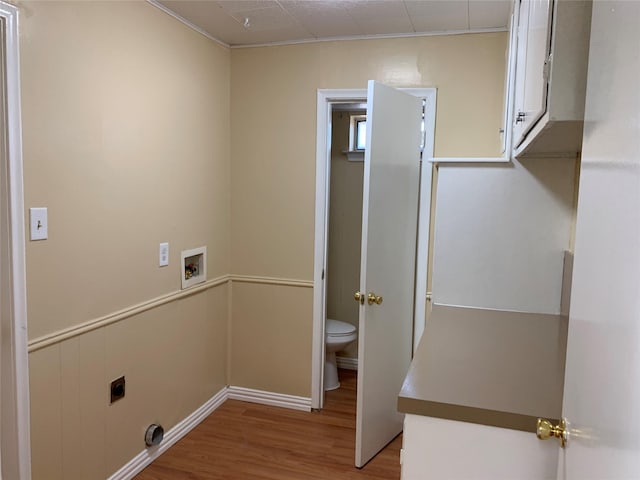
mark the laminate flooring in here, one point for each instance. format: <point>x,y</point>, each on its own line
<point>241,440</point>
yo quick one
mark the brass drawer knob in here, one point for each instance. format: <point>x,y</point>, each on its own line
<point>359,297</point>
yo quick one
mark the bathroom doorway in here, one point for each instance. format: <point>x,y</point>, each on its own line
<point>393,137</point>
<point>345,222</point>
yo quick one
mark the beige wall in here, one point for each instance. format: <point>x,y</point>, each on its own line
<point>270,345</point>
<point>273,127</point>
<point>345,228</point>
<point>174,359</point>
<point>273,139</point>
<point>126,141</point>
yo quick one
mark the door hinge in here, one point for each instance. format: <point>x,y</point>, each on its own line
<point>423,142</point>
<point>546,69</point>
<point>323,274</point>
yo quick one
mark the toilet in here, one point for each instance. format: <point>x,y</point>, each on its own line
<point>337,336</point>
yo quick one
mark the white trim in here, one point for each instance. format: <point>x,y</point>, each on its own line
<point>288,282</point>
<point>348,363</point>
<point>503,159</point>
<point>18,459</point>
<point>90,325</point>
<point>64,334</point>
<point>323,166</point>
<point>511,81</point>
<point>147,456</point>
<point>521,153</point>
<point>269,398</point>
<point>144,458</point>
<point>186,22</point>
<point>489,309</point>
<point>346,38</point>
<point>325,98</point>
<point>440,33</point>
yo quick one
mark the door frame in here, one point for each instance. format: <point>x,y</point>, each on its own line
<point>15,451</point>
<point>326,98</point>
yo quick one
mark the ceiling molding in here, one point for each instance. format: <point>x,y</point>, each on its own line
<point>186,22</point>
<point>373,37</point>
<point>203,32</point>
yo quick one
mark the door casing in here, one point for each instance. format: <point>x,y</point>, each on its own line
<point>15,446</point>
<point>326,98</point>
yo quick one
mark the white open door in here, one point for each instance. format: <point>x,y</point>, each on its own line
<point>389,222</point>
<point>533,51</point>
<point>602,380</point>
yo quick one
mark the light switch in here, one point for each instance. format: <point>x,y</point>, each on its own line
<point>164,254</point>
<point>39,224</point>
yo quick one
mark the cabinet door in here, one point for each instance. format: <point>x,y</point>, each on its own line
<point>534,34</point>
<point>432,449</point>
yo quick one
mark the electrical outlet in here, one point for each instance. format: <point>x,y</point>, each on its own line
<point>117,389</point>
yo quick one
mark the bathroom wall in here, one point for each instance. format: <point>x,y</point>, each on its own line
<point>345,228</point>
<point>126,141</point>
<point>273,128</point>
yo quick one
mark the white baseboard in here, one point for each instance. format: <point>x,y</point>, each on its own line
<point>270,398</point>
<point>144,458</point>
<point>348,363</point>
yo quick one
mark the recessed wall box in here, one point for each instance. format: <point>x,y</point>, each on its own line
<point>117,389</point>
<point>194,266</point>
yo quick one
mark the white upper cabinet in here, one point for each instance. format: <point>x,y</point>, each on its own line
<point>550,79</point>
<point>534,30</point>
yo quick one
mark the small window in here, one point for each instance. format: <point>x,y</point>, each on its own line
<point>358,132</point>
<point>361,134</point>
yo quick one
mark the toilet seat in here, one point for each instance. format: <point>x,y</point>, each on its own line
<point>337,328</point>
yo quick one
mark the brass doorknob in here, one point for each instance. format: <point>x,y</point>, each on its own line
<point>373,298</point>
<point>545,430</point>
<point>359,297</point>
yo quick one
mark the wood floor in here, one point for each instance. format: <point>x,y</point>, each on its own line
<point>247,441</point>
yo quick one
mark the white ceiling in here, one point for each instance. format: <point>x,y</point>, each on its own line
<point>275,21</point>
